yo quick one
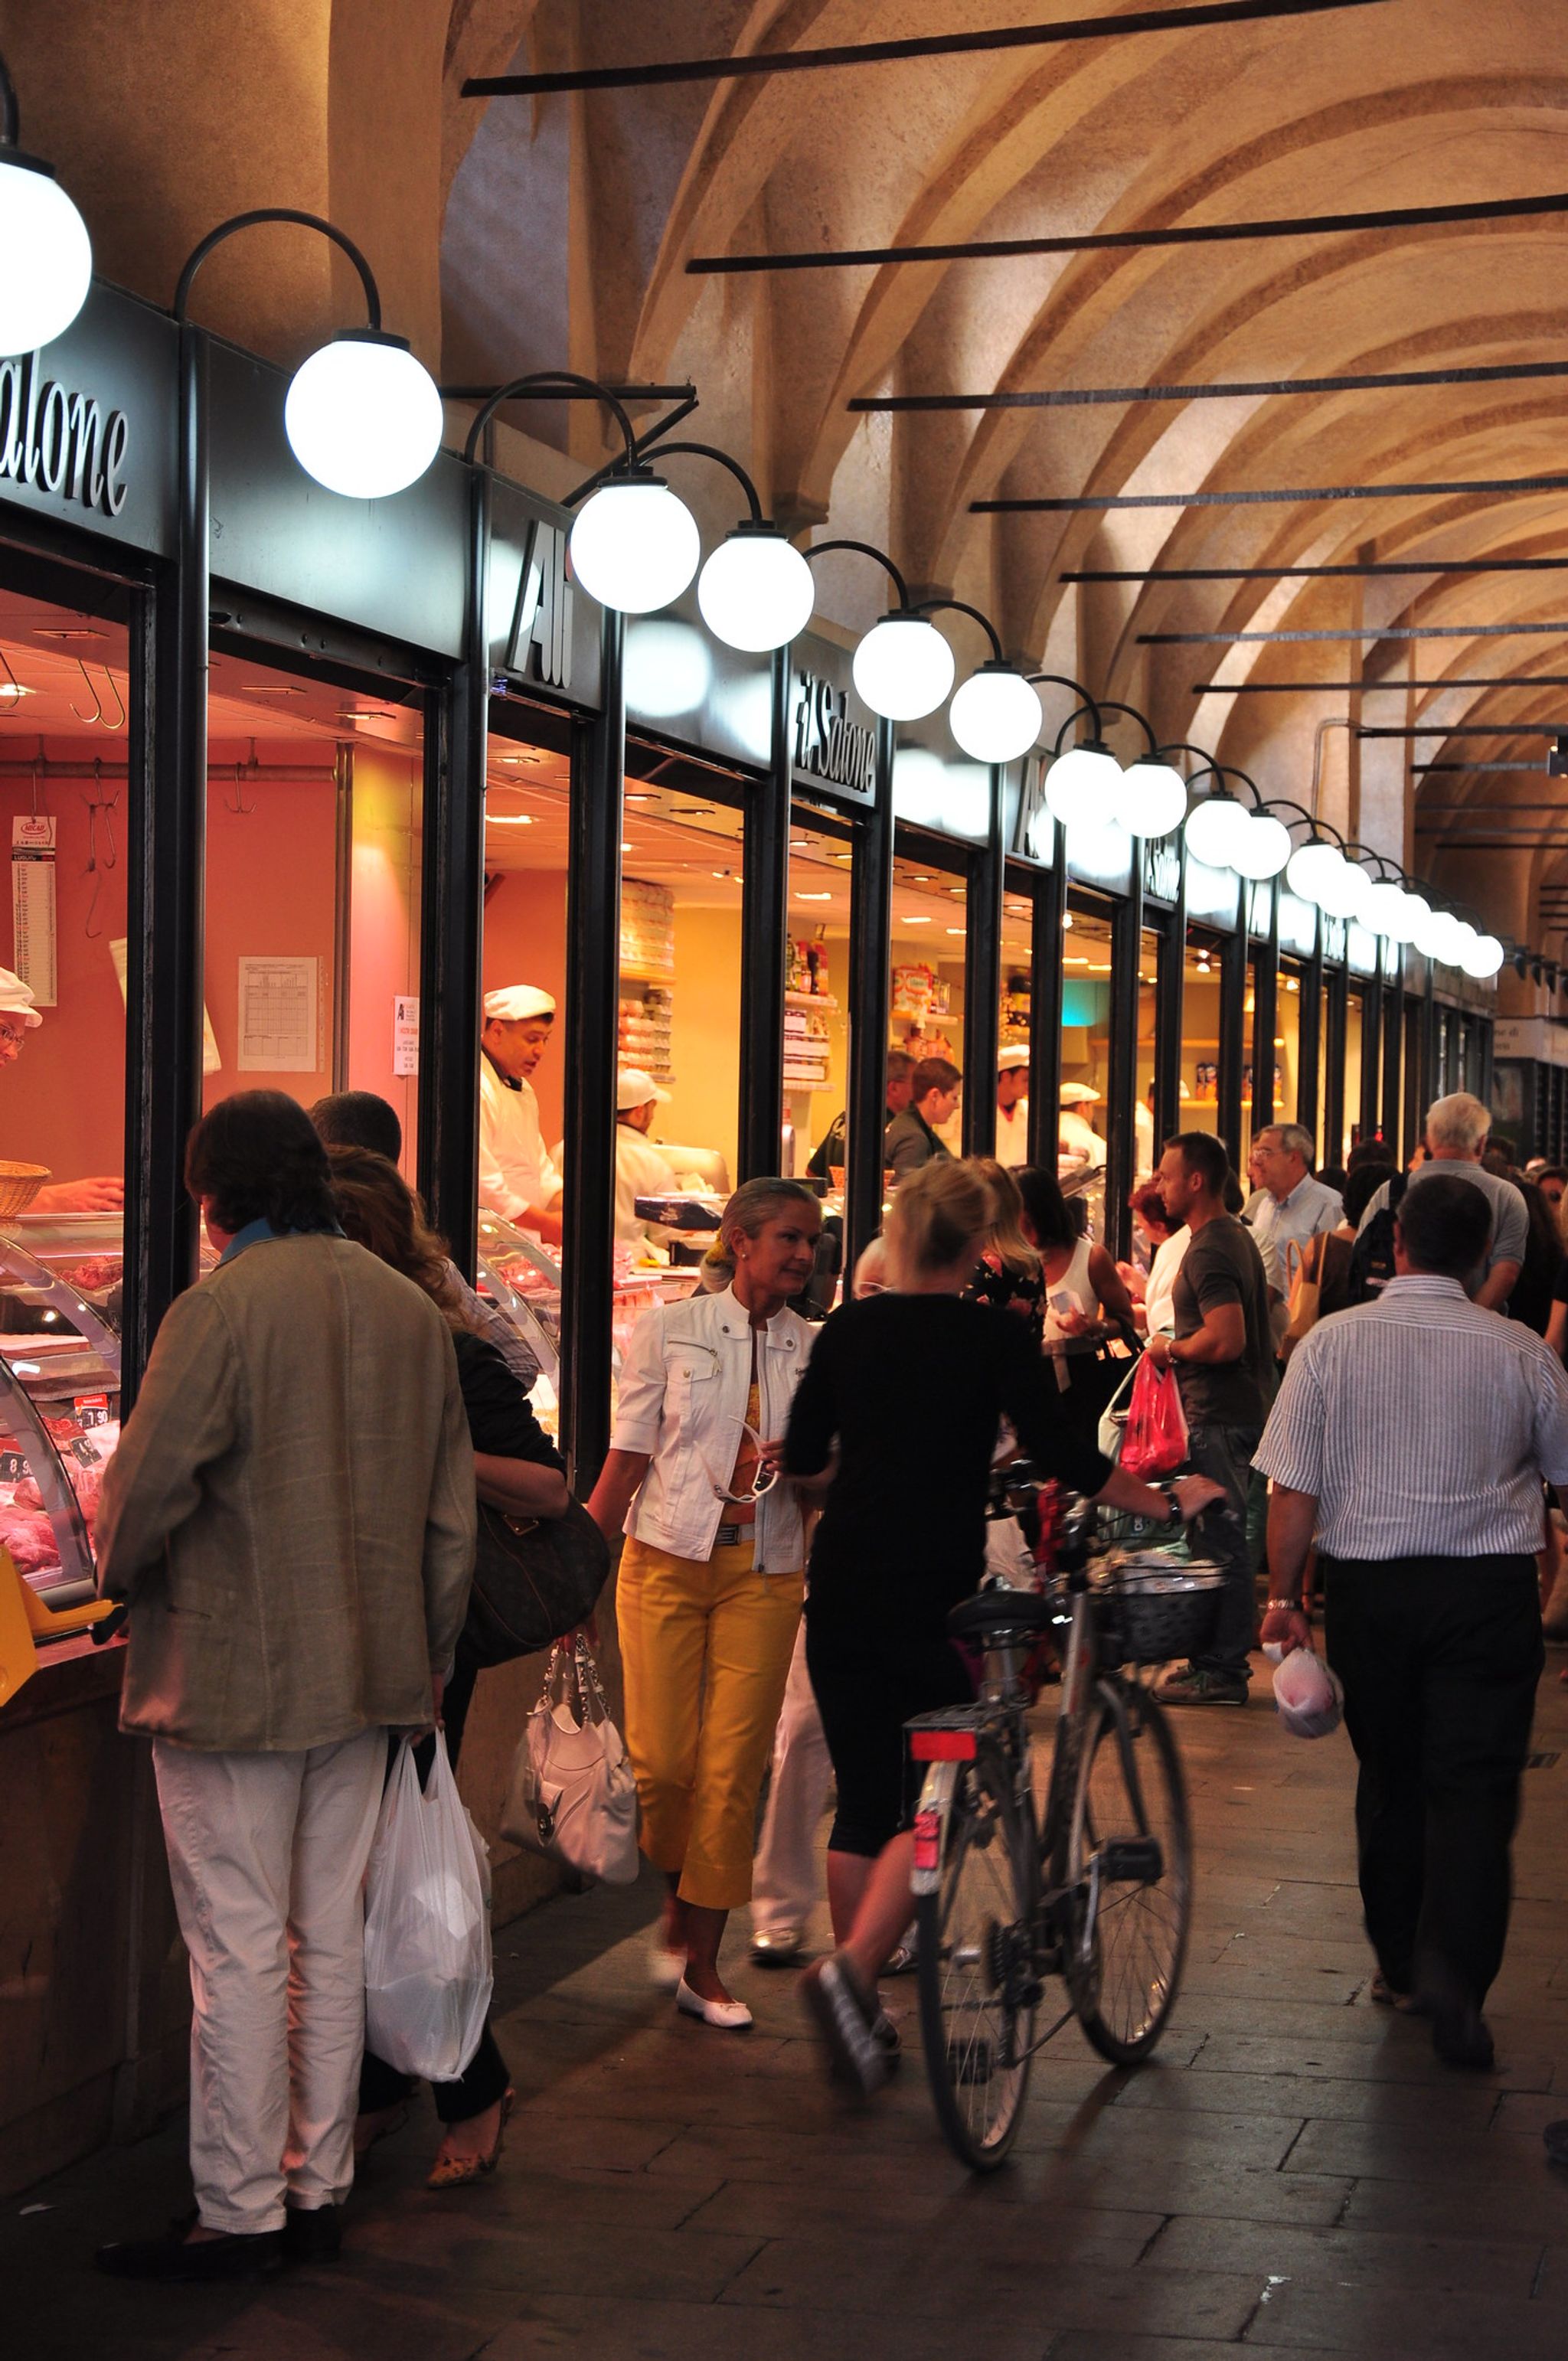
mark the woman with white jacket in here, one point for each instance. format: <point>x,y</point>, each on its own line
<point>712,1576</point>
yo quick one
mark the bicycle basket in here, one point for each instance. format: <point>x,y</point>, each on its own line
<point>1150,1608</point>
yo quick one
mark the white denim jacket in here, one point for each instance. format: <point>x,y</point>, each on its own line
<point>683,1393</point>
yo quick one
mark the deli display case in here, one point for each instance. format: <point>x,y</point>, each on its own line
<point>59,1411</point>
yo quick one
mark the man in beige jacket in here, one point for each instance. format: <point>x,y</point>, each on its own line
<point>290,1517</point>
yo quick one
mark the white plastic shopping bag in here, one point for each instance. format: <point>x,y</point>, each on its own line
<point>427,1931</point>
<point>573,1796</point>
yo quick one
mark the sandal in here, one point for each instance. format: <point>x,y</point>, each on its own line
<point>457,2171</point>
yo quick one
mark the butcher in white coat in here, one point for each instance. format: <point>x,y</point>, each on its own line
<point>1012,1106</point>
<point>518,1177</point>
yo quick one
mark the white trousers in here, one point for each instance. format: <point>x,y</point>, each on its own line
<point>784,1880</point>
<point>266,1855</point>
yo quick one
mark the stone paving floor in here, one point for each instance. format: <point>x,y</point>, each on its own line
<point>1296,2172</point>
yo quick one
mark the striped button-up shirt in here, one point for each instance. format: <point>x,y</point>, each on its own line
<point>1421,1426</point>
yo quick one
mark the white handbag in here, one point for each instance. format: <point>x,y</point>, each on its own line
<point>571,1796</point>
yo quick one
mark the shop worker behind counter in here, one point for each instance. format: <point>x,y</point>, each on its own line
<point>518,1177</point>
<point>19,1017</point>
<point>291,1515</point>
<point>1411,1440</point>
<point>1456,1141</point>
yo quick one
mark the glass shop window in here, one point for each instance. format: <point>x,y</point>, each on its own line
<point>1151,951</point>
<point>1201,1035</point>
<point>817,982</point>
<point>1085,1058</point>
<point>1353,1033</point>
<point>1013,1030</point>
<point>925,988</point>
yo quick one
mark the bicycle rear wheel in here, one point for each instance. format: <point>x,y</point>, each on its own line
<point>1129,1873</point>
<point>977,1980</point>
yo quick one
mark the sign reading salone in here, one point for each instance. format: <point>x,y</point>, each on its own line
<point>59,441</point>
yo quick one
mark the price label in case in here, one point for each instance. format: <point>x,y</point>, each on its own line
<point>92,1410</point>
<point>13,1468</point>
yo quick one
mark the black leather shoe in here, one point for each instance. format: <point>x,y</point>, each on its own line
<point>312,2234</point>
<point>259,2256</point>
<point>1460,2038</point>
<point>1556,2138</point>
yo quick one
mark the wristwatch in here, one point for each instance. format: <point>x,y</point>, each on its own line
<point>1172,1499</point>
<point>1283,1606</point>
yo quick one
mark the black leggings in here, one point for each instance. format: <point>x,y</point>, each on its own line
<point>485,2079</point>
<point>869,1682</point>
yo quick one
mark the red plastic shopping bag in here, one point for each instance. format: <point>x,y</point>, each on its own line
<point>1154,1442</point>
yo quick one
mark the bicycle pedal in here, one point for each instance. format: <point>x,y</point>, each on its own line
<point>1132,1860</point>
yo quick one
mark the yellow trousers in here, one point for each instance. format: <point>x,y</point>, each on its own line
<point>705,1647</point>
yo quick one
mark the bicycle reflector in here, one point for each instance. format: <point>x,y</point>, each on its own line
<point>942,1745</point>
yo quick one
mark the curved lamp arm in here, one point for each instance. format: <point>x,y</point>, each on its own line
<point>545,385</point>
<point>215,237</point>
<point>1107,706</point>
<point>962,607</point>
<point>1223,771</point>
<point>711,451</point>
<point>866,549</point>
<point>10,114</point>
<point>1321,827</point>
<point>1060,680</point>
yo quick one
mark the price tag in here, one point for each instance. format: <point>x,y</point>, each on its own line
<point>13,1468</point>
<point>33,906</point>
<point>92,1410</point>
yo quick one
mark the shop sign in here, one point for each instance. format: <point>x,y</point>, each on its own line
<point>540,631</point>
<point>1162,869</point>
<point>1333,939</point>
<point>60,440</point>
<point>825,743</point>
<point>538,644</point>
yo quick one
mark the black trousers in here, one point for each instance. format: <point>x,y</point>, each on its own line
<point>1439,1659</point>
<point>485,2079</point>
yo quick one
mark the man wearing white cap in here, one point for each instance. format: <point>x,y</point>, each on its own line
<point>641,1169</point>
<point>518,1179</point>
<point>1012,1106</point>
<point>19,1017</point>
<point>1077,1135</point>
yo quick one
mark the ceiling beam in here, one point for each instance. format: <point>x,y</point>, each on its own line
<point>1075,396</point>
<point>1465,730</point>
<point>1000,250</point>
<point>1317,573</point>
<point>1378,631</point>
<point>1500,487</point>
<point>751,63</point>
<point>1370,687</point>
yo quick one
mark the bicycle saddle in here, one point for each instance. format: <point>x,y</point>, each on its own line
<point>989,1611</point>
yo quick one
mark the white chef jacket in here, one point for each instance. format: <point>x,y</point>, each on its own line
<point>1080,1138</point>
<point>1013,1134</point>
<point>515,1166</point>
<point>641,1170</point>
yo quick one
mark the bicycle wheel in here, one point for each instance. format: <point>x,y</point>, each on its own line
<point>977,1984</point>
<point>1129,1875</point>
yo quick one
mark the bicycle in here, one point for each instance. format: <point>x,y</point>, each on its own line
<point>1098,1888</point>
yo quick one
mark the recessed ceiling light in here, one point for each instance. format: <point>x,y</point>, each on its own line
<point>1067,917</point>
<point>955,930</point>
<point>267,688</point>
<point>814,898</point>
<point>70,631</point>
<point>508,820</point>
<point>1075,962</point>
<point>920,880</point>
<point>12,689</point>
<point>915,922</point>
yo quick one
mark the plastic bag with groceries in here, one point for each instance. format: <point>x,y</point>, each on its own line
<point>1154,1441</point>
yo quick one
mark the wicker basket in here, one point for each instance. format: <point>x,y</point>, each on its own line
<point>20,1184</point>
<point>1150,1608</point>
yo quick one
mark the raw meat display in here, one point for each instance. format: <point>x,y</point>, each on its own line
<point>93,1276</point>
<point>29,1538</point>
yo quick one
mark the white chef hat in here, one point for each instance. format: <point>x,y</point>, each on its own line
<point>634,1088</point>
<point>1078,1094</point>
<point>1016,1056</point>
<point>515,1003</point>
<point>17,998</point>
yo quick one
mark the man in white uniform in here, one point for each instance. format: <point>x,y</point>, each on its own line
<point>517,1177</point>
<point>1076,1133</point>
<point>1013,1106</point>
<point>641,1169</point>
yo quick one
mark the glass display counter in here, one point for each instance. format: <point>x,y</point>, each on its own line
<point>59,1411</point>
<point>85,1252</point>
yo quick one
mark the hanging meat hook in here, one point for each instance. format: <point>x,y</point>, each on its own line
<point>239,808</point>
<point>96,803</point>
<point>87,720</point>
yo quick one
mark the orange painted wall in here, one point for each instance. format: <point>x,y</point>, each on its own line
<point>525,942</point>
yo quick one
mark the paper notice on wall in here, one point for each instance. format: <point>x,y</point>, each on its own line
<point>32,906</point>
<point>211,1062</point>
<point>277,1015</point>
<point>405,1033</point>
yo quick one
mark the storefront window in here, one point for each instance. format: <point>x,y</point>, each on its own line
<point>817,1030</point>
<point>1085,1058</point>
<point>1150,952</point>
<point>926,1003</point>
<point>313,874</point>
<point>1201,1035</point>
<point>1352,1070</point>
<point>1013,1030</point>
<point>1287,1046</point>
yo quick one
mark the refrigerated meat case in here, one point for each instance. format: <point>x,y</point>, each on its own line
<point>59,1406</point>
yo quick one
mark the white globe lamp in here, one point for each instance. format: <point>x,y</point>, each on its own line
<point>1430,934</point>
<point>362,416</point>
<point>1484,958</point>
<point>1452,939</point>
<point>903,668</point>
<point>45,255</point>
<point>1385,911</point>
<point>995,715</point>
<point>1083,785</point>
<point>634,545</point>
<point>1262,848</point>
<point>756,590</point>
<point>1418,910</point>
<point>1152,797</point>
<point>1312,870</point>
<point>1345,889</point>
<point>1214,831</point>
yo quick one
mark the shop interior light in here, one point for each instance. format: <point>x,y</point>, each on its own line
<point>1485,956</point>
<point>1215,830</point>
<point>1083,787</point>
<point>1262,848</point>
<point>45,255</point>
<point>634,545</point>
<point>1151,799</point>
<point>904,667</point>
<point>996,715</point>
<point>1312,870</point>
<point>756,591</point>
<point>362,416</point>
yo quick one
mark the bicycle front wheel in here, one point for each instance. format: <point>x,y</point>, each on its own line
<point>1129,1874</point>
<point>977,1979</point>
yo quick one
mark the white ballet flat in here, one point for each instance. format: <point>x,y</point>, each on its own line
<point>666,1968</point>
<point>729,2016</point>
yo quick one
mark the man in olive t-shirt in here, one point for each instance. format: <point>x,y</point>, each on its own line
<point>1223,1356</point>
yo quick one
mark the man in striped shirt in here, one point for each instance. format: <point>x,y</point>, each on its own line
<point>1409,1439</point>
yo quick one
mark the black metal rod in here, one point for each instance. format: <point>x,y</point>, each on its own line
<point>1371,1110</point>
<point>1068,396</point>
<point>983,977</point>
<point>712,451</point>
<point>1001,250</point>
<point>1496,488</point>
<point>451,943</point>
<point>865,549</point>
<point>963,607</point>
<point>1393,1048</point>
<point>1332,1146</point>
<point>1310,1045</point>
<point>1045,977</point>
<point>633,393</point>
<point>593,970</point>
<point>1265,1012</point>
<point>1465,730</point>
<point>750,63</point>
<point>871,962</point>
<point>10,114</point>
<point>1373,687</point>
<point>764,928</point>
<point>148,678</point>
<point>1169,997</point>
<point>1315,573</point>
<point>215,237</point>
<point>1231,1054</point>
<point>553,385</point>
<point>1390,631</point>
<point>1122,1086</point>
